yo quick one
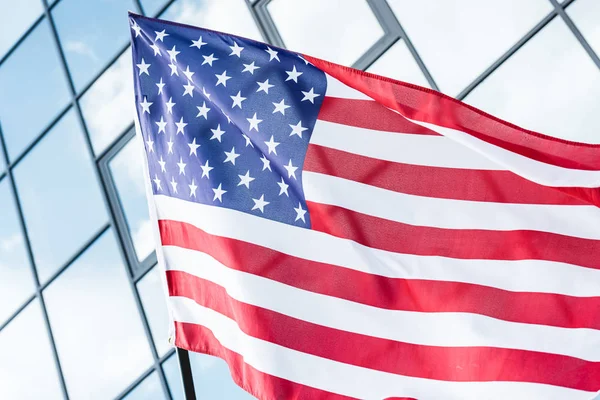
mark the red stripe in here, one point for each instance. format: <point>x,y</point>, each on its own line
<point>456,243</point>
<point>368,114</point>
<point>390,293</point>
<point>427,105</point>
<point>445,183</point>
<point>431,362</point>
<point>263,386</point>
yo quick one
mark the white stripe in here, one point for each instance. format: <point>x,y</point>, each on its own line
<point>349,380</point>
<point>522,275</point>
<point>428,150</point>
<point>335,88</point>
<point>446,329</point>
<point>536,171</point>
<point>576,221</point>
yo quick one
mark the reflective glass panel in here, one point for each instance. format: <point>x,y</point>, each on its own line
<point>336,30</point>
<point>128,174</point>
<point>548,86</point>
<point>108,106</point>
<point>16,282</point>
<point>173,376</point>
<point>152,294</point>
<point>59,193</point>
<point>212,379</point>
<point>91,32</point>
<point>586,15</point>
<point>15,20</point>
<point>33,89</point>
<point>148,389</point>
<point>461,38</point>
<point>398,63</point>
<point>230,16</point>
<point>151,7</point>
<point>27,369</point>
<point>98,332</point>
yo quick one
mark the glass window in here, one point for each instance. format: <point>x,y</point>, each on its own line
<point>153,299</point>
<point>152,7</point>
<point>464,37</point>
<point>59,193</point>
<point>231,16</point>
<point>108,106</point>
<point>546,86</point>
<point>398,63</point>
<point>173,376</point>
<point>34,89</point>
<point>99,336</point>
<point>212,379</point>
<point>148,389</point>
<point>128,174</point>
<point>27,368</point>
<point>91,32</point>
<point>336,30</point>
<point>16,20</point>
<point>16,282</point>
<point>586,14</point>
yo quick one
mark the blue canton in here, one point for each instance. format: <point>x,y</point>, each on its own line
<point>226,121</point>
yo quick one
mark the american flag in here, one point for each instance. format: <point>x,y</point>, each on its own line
<point>334,234</point>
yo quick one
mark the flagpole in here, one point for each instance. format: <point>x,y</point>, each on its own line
<point>186,373</point>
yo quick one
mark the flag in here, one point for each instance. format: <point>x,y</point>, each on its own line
<point>334,234</point>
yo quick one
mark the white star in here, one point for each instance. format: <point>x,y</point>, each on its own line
<point>250,68</point>
<point>181,166</point>
<point>293,75</point>
<point>205,93</point>
<point>162,163</point>
<point>150,144</point>
<point>156,49</point>
<point>206,170</point>
<point>203,111</point>
<point>145,105</point>
<point>209,59</point>
<point>272,145</point>
<point>180,126</point>
<point>197,43</point>
<point>222,79</point>
<point>245,179</point>
<point>217,133</point>
<point>259,204</point>
<point>157,182</point>
<point>272,54</point>
<point>291,169</point>
<point>173,69</point>
<point>189,89</point>
<point>173,184</point>
<point>248,141</point>
<point>188,73</point>
<point>193,188</point>
<point>219,193</point>
<point>231,156</point>
<point>143,68</point>
<point>254,122</point>
<point>193,147</point>
<point>297,129</point>
<point>173,54</point>
<point>264,86</point>
<point>310,95</point>
<point>300,212</point>
<point>160,85</point>
<point>136,28</point>
<point>280,107</point>
<point>236,50</point>
<point>266,163</point>
<point>170,105</point>
<point>162,124</point>
<point>170,144</point>
<point>237,100</point>
<point>283,187</point>
<point>160,35</point>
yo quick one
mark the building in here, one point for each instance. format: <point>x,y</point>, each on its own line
<point>81,305</point>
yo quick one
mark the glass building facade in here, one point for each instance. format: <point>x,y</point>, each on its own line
<point>82,312</point>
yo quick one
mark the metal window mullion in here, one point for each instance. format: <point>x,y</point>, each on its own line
<point>106,200</point>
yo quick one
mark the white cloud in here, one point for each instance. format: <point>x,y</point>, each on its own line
<point>81,48</point>
<point>9,243</point>
<point>143,238</point>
